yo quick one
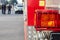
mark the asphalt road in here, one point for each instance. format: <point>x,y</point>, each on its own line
<point>11,27</point>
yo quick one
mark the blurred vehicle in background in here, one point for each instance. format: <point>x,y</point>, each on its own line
<point>18,8</point>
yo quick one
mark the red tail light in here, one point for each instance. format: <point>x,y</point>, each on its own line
<point>47,19</point>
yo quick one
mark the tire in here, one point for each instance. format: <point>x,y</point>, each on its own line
<point>18,12</point>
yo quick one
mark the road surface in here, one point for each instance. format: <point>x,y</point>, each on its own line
<point>11,27</point>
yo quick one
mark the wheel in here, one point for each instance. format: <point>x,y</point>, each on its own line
<point>18,12</point>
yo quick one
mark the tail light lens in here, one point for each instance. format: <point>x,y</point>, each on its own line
<point>47,19</point>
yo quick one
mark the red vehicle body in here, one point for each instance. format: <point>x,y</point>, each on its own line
<point>32,5</point>
<point>33,8</point>
<point>42,19</point>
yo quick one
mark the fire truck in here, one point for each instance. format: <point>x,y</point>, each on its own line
<point>43,20</point>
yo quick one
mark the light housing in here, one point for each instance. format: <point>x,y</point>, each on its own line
<point>47,20</point>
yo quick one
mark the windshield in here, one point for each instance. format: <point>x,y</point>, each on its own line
<point>20,5</point>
